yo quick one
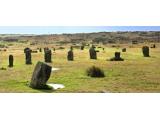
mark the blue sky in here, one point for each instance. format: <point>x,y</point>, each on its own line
<point>71,29</point>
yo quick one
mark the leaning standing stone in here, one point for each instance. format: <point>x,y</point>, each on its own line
<point>11,59</point>
<point>145,50</point>
<point>40,76</point>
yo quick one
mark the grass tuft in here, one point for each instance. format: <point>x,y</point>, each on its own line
<point>95,72</point>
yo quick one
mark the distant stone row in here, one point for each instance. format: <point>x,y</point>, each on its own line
<point>70,55</point>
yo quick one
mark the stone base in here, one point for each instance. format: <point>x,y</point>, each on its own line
<point>116,59</point>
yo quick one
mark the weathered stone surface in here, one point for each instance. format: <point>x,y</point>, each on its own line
<point>28,55</point>
<point>70,55</point>
<point>11,59</point>
<point>40,76</point>
<point>93,53</point>
<point>124,50</point>
<point>48,56</point>
<point>117,57</point>
<point>145,50</point>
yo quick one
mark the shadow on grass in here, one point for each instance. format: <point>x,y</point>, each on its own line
<point>46,89</point>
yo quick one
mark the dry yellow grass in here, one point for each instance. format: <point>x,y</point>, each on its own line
<point>134,74</point>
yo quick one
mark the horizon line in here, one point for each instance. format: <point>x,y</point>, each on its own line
<point>48,30</point>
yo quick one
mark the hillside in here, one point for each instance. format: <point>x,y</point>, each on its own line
<point>101,37</point>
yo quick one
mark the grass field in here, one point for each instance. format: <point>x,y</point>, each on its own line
<point>135,74</point>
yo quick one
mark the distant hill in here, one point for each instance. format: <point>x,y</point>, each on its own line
<point>101,37</point>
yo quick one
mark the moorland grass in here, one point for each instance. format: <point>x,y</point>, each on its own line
<point>135,74</point>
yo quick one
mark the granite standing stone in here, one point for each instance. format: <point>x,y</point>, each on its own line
<point>70,55</point>
<point>93,53</point>
<point>11,59</point>
<point>28,56</point>
<point>40,49</point>
<point>40,76</point>
<point>153,46</point>
<point>145,50</point>
<point>124,50</point>
<point>82,47</point>
<point>117,57</point>
<point>48,56</point>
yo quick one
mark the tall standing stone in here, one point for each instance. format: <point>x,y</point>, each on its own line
<point>48,56</point>
<point>145,50</point>
<point>93,53</point>
<point>70,55</point>
<point>11,59</point>
<point>40,76</point>
<point>28,56</point>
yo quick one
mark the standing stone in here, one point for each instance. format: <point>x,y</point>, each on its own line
<point>11,59</point>
<point>153,46</point>
<point>145,50</point>
<point>82,47</point>
<point>40,76</point>
<point>124,50</point>
<point>117,57</point>
<point>70,55</point>
<point>28,56</point>
<point>48,56</point>
<point>93,53</point>
<point>54,49</point>
<point>40,49</point>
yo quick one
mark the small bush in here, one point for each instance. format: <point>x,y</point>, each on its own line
<point>95,72</point>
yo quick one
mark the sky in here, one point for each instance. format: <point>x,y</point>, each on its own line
<point>71,29</point>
